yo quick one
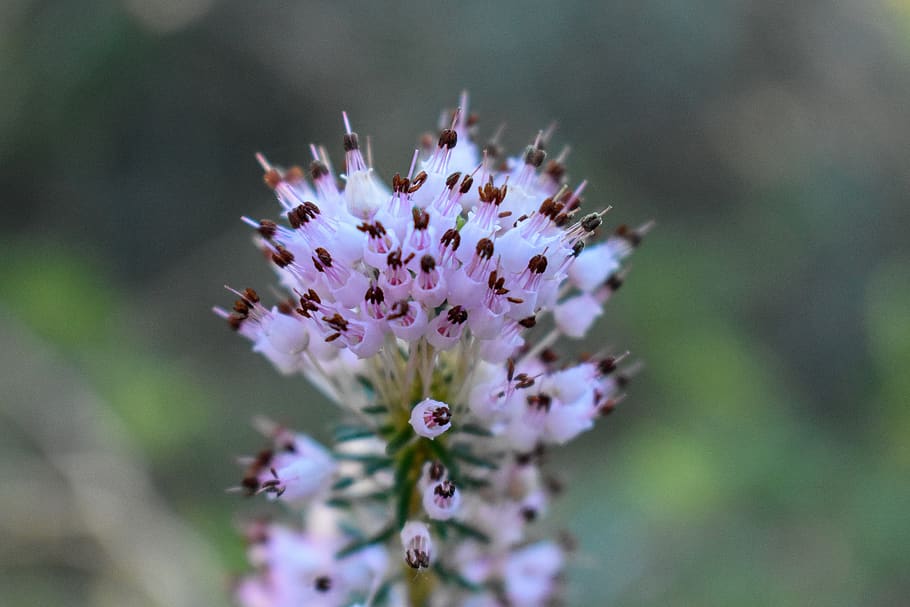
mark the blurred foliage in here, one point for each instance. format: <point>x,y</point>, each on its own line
<point>762,455</point>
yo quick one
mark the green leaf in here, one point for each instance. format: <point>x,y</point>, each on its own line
<point>380,537</point>
<point>471,482</point>
<point>399,440</point>
<point>343,483</point>
<point>465,455</point>
<point>475,429</point>
<point>346,433</point>
<point>469,531</point>
<point>449,576</point>
<point>375,409</point>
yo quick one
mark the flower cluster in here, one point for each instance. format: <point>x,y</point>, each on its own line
<point>428,312</point>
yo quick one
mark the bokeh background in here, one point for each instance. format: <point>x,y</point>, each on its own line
<point>763,455</point>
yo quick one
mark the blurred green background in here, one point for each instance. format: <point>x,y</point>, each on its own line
<point>762,457</point>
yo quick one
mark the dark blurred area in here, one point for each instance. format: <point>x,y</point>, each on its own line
<point>762,456</point>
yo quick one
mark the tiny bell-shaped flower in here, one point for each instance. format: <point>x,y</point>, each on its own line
<point>441,500</point>
<point>417,544</point>
<point>430,418</point>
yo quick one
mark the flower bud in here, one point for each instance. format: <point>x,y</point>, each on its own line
<point>418,546</point>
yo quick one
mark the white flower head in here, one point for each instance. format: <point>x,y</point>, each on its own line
<point>427,307</point>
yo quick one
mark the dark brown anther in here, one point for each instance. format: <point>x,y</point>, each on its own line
<point>374,295</point>
<point>550,208</point>
<point>561,220</point>
<point>622,380</point>
<point>541,401</point>
<point>607,408</point>
<point>555,170</point>
<point>515,300</point>
<point>418,181</point>
<point>235,321</point>
<point>272,178</point>
<point>441,415</point>
<point>250,485</point>
<point>324,257</point>
<point>554,485</point>
<point>267,229</point>
<point>629,235</point>
<point>399,310</point>
<point>504,214</point>
<point>451,239</point>
<point>549,356</point>
<point>400,184</point>
<point>537,264</point>
<point>318,169</point>
<point>427,264</point>
<point>242,308</point>
<point>421,218</point>
<point>492,150</point>
<point>445,489</point>
<point>437,470</point>
<point>337,322</point>
<point>447,139</point>
<point>293,218</point>
<point>607,365</point>
<point>452,180</point>
<point>591,222</point>
<point>522,381</point>
<point>393,259</point>
<point>286,307</point>
<point>250,295</point>
<point>528,323</point>
<point>510,369</point>
<point>332,337</point>
<point>614,282</point>
<point>294,174</point>
<point>282,257</point>
<point>577,248</point>
<point>350,142</point>
<point>490,193</point>
<point>466,184</point>
<point>323,583</point>
<point>373,230</point>
<point>484,248</point>
<point>534,156</point>
<point>528,514</point>
<point>313,296</point>
<point>417,559</point>
<point>457,315</point>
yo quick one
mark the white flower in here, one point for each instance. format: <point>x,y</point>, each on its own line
<point>430,418</point>
<point>295,470</point>
<point>418,547</point>
<point>530,573</point>
<point>450,289</point>
<point>441,500</point>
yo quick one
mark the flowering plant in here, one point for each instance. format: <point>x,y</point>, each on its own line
<point>428,313</point>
